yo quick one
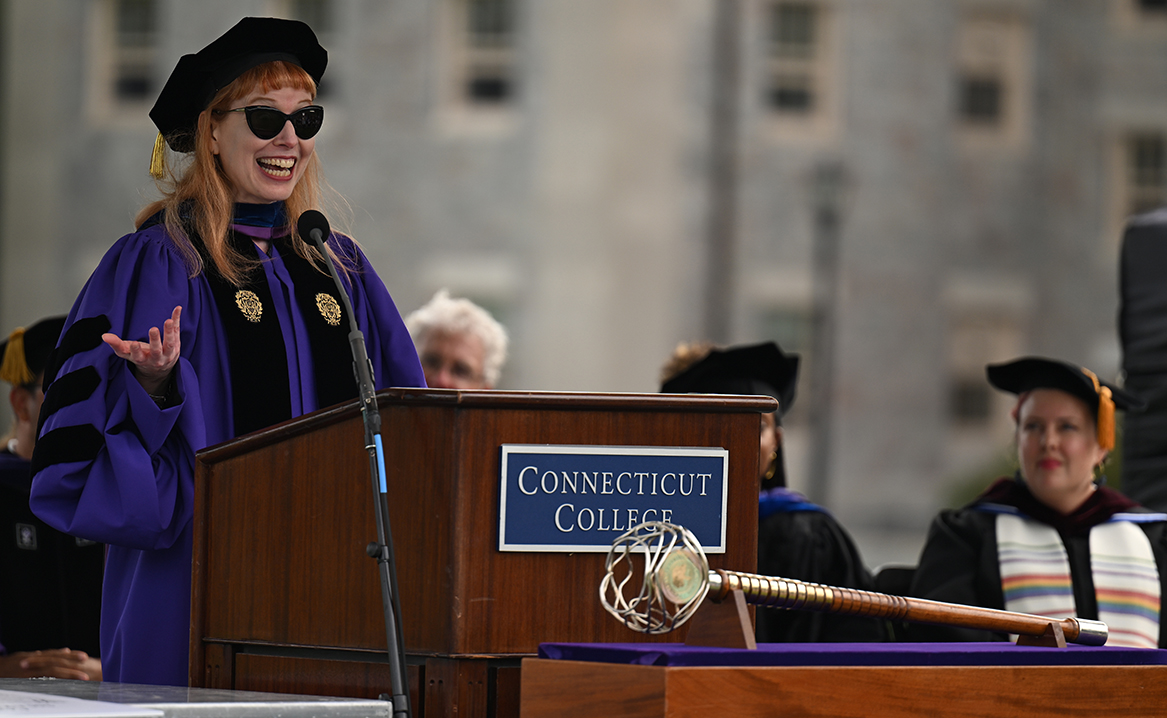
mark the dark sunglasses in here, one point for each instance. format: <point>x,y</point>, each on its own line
<point>267,122</point>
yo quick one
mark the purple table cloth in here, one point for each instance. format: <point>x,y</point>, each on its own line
<point>996,653</point>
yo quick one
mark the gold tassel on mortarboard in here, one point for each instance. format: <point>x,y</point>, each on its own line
<point>14,368</point>
<point>1105,412</point>
<point>158,157</point>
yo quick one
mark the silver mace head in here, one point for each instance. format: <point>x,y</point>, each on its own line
<point>673,583</point>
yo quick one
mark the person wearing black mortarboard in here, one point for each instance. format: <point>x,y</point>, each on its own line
<point>253,331</point>
<point>50,583</point>
<point>1052,540</point>
<point>796,538</point>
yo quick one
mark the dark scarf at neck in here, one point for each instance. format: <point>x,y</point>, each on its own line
<point>260,215</point>
<point>1100,506</point>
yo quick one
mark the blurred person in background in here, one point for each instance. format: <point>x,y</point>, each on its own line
<point>50,583</point>
<point>22,362</point>
<point>796,538</point>
<point>1052,540</point>
<point>459,344</point>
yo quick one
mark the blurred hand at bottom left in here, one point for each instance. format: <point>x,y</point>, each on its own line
<point>55,663</point>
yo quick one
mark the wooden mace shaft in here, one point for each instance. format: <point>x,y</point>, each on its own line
<point>791,593</point>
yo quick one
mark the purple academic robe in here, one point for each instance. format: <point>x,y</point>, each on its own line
<point>136,493</point>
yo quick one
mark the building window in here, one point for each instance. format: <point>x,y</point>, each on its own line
<point>479,75</point>
<point>979,335</point>
<point>970,400</point>
<point>993,80</point>
<point>794,57</point>
<point>980,99</point>
<point>489,52</point>
<point>136,44</point>
<point>1146,172</point>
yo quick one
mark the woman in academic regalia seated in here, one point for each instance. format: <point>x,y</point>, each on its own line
<point>796,538</point>
<point>1052,540</point>
<point>50,583</point>
<point>263,335</point>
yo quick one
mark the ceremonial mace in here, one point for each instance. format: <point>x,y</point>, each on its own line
<point>677,579</point>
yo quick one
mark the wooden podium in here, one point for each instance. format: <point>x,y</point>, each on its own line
<point>285,599</point>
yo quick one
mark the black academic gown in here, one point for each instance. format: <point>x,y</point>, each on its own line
<point>810,545</point>
<point>959,562</point>
<point>50,582</point>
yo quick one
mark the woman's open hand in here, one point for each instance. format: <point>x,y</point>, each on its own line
<point>152,361</point>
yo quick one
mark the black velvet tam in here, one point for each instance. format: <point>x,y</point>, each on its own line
<point>753,369</point>
<point>198,77</point>
<point>1029,373</point>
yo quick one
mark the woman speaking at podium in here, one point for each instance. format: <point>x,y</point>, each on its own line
<point>252,332</point>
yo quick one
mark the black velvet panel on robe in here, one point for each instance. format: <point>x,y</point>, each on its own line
<point>255,342</point>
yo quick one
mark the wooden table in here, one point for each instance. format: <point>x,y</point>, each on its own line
<point>569,688</point>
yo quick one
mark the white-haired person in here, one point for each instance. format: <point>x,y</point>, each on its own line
<point>461,346</point>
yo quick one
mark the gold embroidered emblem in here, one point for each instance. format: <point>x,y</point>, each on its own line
<point>248,303</point>
<point>329,309</point>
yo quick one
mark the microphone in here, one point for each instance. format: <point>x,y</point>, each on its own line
<point>313,226</point>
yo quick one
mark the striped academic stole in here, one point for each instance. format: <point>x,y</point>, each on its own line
<point>1126,581</point>
<point>1035,574</point>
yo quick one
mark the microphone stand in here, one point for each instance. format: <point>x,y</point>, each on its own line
<point>382,550</point>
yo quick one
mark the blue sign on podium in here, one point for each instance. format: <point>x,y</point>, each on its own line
<point>581,498</point>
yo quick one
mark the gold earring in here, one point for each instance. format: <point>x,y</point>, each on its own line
<point>773,468</point>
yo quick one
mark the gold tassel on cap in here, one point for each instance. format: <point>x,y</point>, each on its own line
<point>14,369</point>
<point>1105,419</point>
<point>158,157</point>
